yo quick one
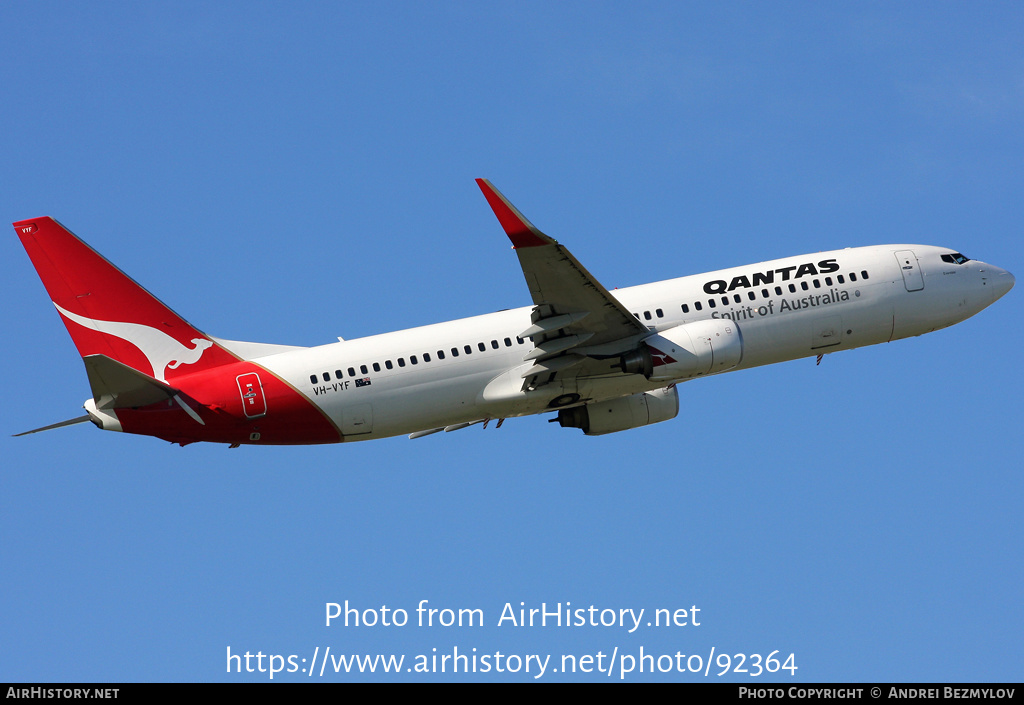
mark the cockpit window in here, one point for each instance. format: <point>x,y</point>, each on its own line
<point>955,258</point>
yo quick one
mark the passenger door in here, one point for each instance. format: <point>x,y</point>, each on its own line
<point>912,277</point>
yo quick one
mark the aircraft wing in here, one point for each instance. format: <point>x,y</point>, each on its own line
<point>574,316</point>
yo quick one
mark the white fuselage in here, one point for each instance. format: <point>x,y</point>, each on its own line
<point>411,380</point>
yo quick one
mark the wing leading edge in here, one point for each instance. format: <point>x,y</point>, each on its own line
<point>574,316</point>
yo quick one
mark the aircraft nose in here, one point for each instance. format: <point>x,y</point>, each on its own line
<point>1002,282</point>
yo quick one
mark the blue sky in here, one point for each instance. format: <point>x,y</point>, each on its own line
<point>292,174</point>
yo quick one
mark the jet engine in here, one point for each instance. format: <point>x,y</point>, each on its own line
<point>622,413</point>
<point>690,350</point>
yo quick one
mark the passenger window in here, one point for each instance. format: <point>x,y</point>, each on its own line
<point>853,277</point>
<point>840,278</point>
<point>426,357</point>
<point>351,371</point>
<point>467,349</point>
<point>647,315</point>
<point>440,354</point>
<point>696,305</point>
<point>327,376</point>
<point>711,303</point>
<point>659,313</point>
<point>387,363</point>
<point>337,374</point>
<point>508,342</point>
<point>401,362</point>
<point>481,347</point>
<point>778,291</point>
<point>313,379</point>
<point>828,281</point>
<point>686,308</point>
<point>455,352</point>
<point>751,295</point>
<point>412,359</point>
<point>494,344</point>
<point>363,369</point>
<point>864,274</point>
<point>803,285</point>
<point>376,367</point>
<point>792,288</point>
<point>737,299</point>
<point>764,293</point>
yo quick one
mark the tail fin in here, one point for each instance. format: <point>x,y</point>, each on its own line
<point>107,313</point>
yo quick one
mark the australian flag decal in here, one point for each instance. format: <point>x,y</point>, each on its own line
<point>365,382</point>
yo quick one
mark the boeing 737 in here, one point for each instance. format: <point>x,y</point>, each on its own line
<point>601,361</point>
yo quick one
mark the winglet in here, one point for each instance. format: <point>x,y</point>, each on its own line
<point>520,231</point>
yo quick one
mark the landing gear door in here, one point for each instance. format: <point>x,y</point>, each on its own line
<point>254,403</point>
<point>912,277</point>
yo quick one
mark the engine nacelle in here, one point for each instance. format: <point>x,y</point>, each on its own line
<point>691,350</point>
<point>622,413</point>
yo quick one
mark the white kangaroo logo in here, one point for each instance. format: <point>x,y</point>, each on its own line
<point>160,349</point>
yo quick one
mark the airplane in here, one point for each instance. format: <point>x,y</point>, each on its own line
<point>601,361</point>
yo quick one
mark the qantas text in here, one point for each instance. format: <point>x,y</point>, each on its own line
<point>809,269</point>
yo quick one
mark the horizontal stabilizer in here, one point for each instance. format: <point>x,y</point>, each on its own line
<point>115,385</point>
<point>69,422</point>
